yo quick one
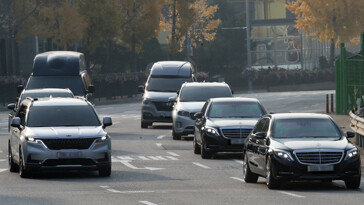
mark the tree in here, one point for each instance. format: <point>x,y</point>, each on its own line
<point>192,18</point>
<point>329,20</point>
<point>139,22</point>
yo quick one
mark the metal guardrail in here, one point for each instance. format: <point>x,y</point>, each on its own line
<point>357,125</point>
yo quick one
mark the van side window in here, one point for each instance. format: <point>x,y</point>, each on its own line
<point>203,110</point>
<point>260,125</point>
<point>22,114</point>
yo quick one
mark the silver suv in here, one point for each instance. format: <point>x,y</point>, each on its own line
<point>58,133</point>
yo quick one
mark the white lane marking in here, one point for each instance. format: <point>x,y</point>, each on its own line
<point>113,190</point>
<point>160,137</point>
<point>201,165</point>
<point>159,144</point>
<point>125,158</point>
<point>115,123</point>
<point>161,158</point>
<point>143,158</point>
<point>153,158</point>
<point>127,163</point>
<point>147,203</point>
<point>291,194</point>
<point>236,178</point>
<point>3,170</point>
<point>238,161</point>
<point>172,158</point>
<point>3,160</point>
<point>125,192</point>
<point>173,154</point>
<point>104,187</point>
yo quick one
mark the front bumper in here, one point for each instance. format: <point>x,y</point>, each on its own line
<point>287,171</point>
<point>183,125</point>
<point>221,144</point>
<point>150,114</point>
<point>38,156</point>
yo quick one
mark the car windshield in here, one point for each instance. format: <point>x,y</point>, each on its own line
<point>74,83</point>
<point>203,93</point>
<point>44,95</point>
<point>235,110</point>
<point>166,84</point>
<point>59,116</point>
<point>305,128</point>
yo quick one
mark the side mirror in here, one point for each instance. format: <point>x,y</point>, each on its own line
<point>19,88</point>
<point>350,134</point>
<point>177,92</point>
<point>15,122</point>
<point>11,106</point>
<point>198,115</point>
<point>260,135</point>
<point>106,122</point>
<point>141,89</point>
<point>232,92</point>
<point>91,89</point>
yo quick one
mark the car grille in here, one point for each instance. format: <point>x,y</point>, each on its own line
<point>163,106</point>
<point>319,157</point>
<point>236,133</point>
<point>78,143</point>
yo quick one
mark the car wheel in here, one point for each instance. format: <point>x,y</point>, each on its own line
<point>249,176</point>
<point>175,135</point>
<point>105,171</point>
<point>145,125</point>
<point>272,183</point>
<point>205,154</point>
<point>12,166</point>
<point>23,172</point>
<point>353,183</point>
<point>196,147</point>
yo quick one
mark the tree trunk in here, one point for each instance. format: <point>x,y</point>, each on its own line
<point>332,54</point>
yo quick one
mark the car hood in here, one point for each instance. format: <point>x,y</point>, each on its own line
<point>234,122</point>
<point>160,96</point>
<point>64,132</point>
<point>190,106</point>
<point>311,143</point>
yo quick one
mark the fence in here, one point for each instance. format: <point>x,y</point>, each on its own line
<point>349,78</point>
<point>357,125</point>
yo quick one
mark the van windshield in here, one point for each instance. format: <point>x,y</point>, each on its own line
<point>166,84</point>
<point>74,83</point>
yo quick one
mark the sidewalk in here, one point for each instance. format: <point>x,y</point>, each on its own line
<point>344,122</point>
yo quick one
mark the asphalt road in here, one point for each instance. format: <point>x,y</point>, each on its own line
<point>150,168</point>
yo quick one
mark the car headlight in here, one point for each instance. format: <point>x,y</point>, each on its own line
<point>183,113</point>
<point>352,153</point>
<point>29,139</point>
<point>283,155</point>
<point>211,131</point>
<point>104,138</point>
<point>146,102</point>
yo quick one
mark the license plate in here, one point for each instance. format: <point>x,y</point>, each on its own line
<point>320,168</point>
<point>66,155</point>
<point>237,141</point>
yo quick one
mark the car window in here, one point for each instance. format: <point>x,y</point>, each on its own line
<point>260,125</point>
<point>22,114</point>
<point>60,116</point>
<point>235,109</point>
<point>43,95</point>
<point>203,110</point>
<point>266,125</point>
<point>74,83</point>
<point>159,84</point>
<point>203,93</point>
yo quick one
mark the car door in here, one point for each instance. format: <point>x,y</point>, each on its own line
<point>200,122</point>
<point>16,132</point>
<point>252,146</point>
<point>263,146</point>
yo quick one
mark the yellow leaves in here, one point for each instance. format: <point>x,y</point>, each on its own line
<point>338,20</point>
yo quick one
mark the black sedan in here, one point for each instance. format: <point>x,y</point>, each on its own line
<point>224,124</point>
<point>285,147</point>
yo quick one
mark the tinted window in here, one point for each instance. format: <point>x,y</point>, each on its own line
<point>56,116</point>
<point>235,110</point>
<point>74,83</point>
<point>43,95</point>
<point>203,93</point>
<point>259,127</point>
<point>166,84</point>
<point>304,127</point>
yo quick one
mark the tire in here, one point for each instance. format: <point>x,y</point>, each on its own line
<point>23,172</point>
<point>105,171</point>
<point>12,166</point>
<point>175,135</point>
<point>272,183</point>
<point>196,147</point>
<point>248,175</point>
<point>145,125</point>
<point>205,154</point>
<point>353,183</point>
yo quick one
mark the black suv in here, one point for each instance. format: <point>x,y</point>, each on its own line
<point>284,147</point>
<point>224,124</point>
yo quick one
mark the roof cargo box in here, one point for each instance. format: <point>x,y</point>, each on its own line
<point>59,63</point>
